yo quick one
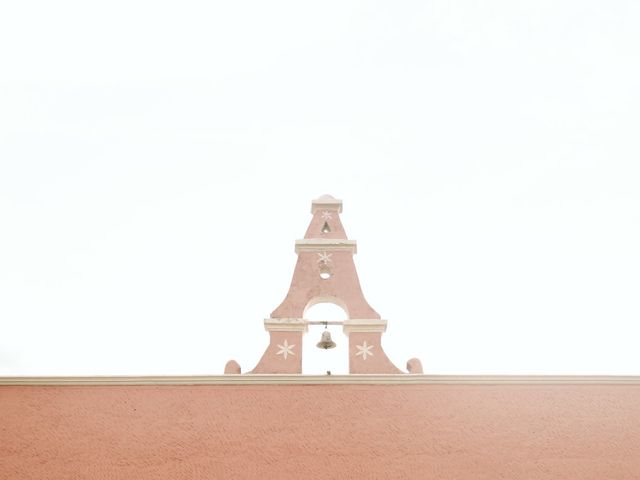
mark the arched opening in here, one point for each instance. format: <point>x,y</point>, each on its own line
<point>325,272</point>
<point>316,361</point>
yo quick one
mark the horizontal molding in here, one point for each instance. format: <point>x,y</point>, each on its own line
<point>302,325</point>
<point>364,325</point>
<point>286,325</point>
<point>356,379</point>
<point>326,203</point>
<point>326,245</point>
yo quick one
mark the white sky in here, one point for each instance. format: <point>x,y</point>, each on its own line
<point>158,160</point>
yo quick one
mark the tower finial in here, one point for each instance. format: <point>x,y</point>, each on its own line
<point>326,202</point>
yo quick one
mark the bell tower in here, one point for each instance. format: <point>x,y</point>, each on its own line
<point>324,272</point>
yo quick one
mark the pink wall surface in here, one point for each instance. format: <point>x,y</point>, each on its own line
<point>320,431</point>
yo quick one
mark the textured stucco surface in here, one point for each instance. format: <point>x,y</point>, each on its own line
<point>320,431</point>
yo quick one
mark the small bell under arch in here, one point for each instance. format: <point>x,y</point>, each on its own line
<point>325,341</point>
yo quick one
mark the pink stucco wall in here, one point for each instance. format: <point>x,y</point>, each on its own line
<point>320,431</point>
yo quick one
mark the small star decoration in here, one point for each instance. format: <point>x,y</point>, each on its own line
<point>285,349</point>
<point>364,350</point>
<point>324,257</point>
<point>326,215</point>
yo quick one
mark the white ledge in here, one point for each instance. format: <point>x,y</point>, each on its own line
<point>326,245</point>
<point>364,325</point>
<point>356,379</point>
<point>286,325</point>
<point>326,202</point>
<point>302,325</point>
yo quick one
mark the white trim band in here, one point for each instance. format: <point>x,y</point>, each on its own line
<point>326,245</point>
<point>286,325</point>
<point>364,325</point>
<point>326,203</point>
<point>356,379</point>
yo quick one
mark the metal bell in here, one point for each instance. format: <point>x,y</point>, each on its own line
<point>326,342</point>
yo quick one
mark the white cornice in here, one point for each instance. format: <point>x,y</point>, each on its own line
<point>359,379</point>
<point>326,245</point>
<point>364,325</point>
<point>286,325</point>
<point>302,325</point>
<point>326,202</point>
